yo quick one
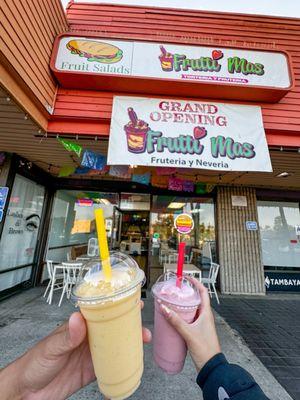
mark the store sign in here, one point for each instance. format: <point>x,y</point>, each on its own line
<point>164,61</point>
<point>84,202</point>
<point>285,281</point>
<point>184,224</point>
<point>3,196</point>
<point>251,226</point>
<point>187,134</point>
<point>239,201</point>
<point>170,61</point>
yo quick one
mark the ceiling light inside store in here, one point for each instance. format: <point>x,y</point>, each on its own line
<point>283,175</point>
<point>176,205</point>
<point>105,201</point>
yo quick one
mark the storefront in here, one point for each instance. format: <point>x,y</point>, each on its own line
<point>148,125</point>
<point>139,224</point>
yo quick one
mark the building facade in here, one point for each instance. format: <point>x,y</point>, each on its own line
<point>60,87</point>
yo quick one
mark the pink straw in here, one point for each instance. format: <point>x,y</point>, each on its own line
<point>132,115</point>
<point>180,262</point>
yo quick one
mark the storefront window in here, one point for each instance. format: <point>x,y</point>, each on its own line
<point>280,244</point>
<point>165,238</point>
<point>20,232</point>
<point>73,221</point>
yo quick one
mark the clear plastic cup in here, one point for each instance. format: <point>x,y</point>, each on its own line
<point>113,315</point>
<point>169,348</point>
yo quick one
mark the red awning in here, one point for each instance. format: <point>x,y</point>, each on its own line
<point>86,112</point>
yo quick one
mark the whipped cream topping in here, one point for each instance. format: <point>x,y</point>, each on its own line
<point>169,289</point>
<point>184,295</point>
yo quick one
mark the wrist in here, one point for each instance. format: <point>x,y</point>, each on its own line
<point>200,360</point>
<point>11,382</point>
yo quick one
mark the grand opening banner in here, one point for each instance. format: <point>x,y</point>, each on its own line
<point>187,134</point>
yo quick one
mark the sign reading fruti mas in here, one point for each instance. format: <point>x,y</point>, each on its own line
<point>187,134</point>
<point>170,62</point>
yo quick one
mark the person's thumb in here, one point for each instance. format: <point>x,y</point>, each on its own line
<point>68,336</point>
<point>174,319</point>
<point>77,329</point>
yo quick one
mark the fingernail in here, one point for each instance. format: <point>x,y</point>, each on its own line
<point>166,309</point>
<point>159,301</point>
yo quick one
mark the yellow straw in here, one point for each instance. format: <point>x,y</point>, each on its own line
<point>102,243</point>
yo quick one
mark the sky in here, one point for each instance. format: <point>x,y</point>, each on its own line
<point>284,8</point>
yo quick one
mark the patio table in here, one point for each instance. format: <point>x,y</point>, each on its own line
<point>189,269</point>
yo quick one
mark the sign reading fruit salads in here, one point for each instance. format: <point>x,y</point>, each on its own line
<point>187,134</point>
<point>234,66</point>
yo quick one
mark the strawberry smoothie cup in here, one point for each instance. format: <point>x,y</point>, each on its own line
<point>169,349</point>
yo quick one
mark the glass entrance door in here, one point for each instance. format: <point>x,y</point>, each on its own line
<point>20,233</point>
<point>164,238</point>
<point>133,227</point>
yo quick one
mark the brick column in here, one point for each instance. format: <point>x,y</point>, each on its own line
<point>241,267</point>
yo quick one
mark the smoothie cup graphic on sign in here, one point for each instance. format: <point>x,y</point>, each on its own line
<point>166,59</point>
<point>136,132</point>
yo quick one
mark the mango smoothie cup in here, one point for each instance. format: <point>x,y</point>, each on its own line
<point>169,348</point>
<point>113,316</point>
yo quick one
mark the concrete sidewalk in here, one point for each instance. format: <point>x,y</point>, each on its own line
<point>26,318</point>
<point>270,327</point>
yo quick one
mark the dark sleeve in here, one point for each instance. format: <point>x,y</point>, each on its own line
<point>220,380</point>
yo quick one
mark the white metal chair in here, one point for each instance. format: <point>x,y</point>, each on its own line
<point>206,250</point>
<point>123,246</point>
<point>55,281</point>
<point>164,253</point>
<point>83,259</point>
<point>93,249</point>
<point>173,258</point>
<point>206,259</point>
<point>70,276</point>
<point>163,257</point>
<point>135,248</point>
<point>212,279</point>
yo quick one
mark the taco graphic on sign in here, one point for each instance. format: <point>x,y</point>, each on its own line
<point>95,51</point>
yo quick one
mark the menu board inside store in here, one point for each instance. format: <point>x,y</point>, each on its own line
<point>262,74</point>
